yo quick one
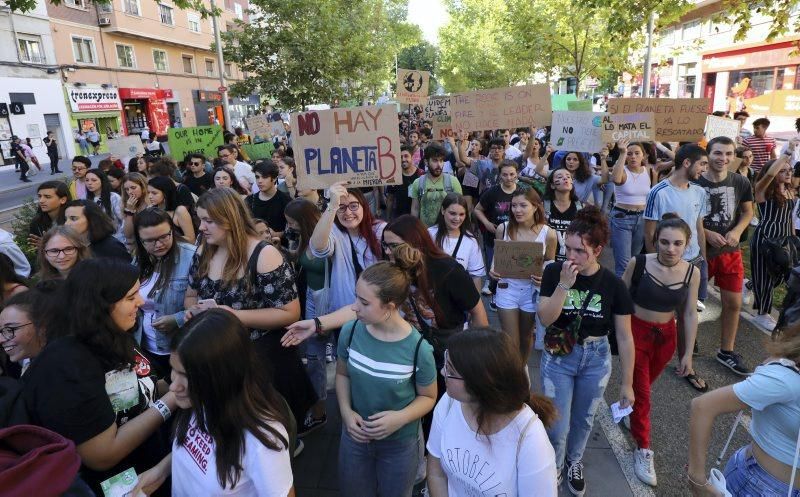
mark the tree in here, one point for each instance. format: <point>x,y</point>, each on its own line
<point>303,52</point>
<point>741,12</point>
<point>423,57</point>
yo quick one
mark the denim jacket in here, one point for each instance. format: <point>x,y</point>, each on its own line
<point>169,300</point>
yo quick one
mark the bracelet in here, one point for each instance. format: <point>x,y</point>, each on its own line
<point>689,477</point>
<point>162,408</point>
<point>563,286</point>
<point>318,325</point>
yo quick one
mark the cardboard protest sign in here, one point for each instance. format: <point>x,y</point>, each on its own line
<point>584,105</point>
<point>412,86</point>
<point>722,126</point>
<point>259,127</point>
<point>677,119</point>
<point>199,139</point>
<point>437,110</point>
<point>360,145</point>
<point>560,101</point>
<point>126,146</point>
<point>518,259</point>
<point>577,131</point>
<point>261,150</point>
<point>635,127</point>
<point>514,107</point>
<point>277,129</point>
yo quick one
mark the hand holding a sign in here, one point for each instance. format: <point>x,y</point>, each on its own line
<point>337,192</point>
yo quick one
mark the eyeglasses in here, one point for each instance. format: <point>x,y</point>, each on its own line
<point>352,206</point>
<point>8,332</point>
<point>391,246</point>
<point>198,163</point>
<point>161,239</point>
<point>68,251</point>
<point>446,370</point>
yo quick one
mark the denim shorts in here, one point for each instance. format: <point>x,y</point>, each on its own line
<point>745,478</point>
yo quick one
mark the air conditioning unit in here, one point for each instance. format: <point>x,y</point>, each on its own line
<point>104,21</point>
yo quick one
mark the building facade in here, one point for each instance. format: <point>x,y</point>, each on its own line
<point>31,96</point>
<point>156,57</point>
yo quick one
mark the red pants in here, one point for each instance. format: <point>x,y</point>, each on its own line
<point>655,345</point>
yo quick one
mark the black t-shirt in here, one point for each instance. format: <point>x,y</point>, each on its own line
<point>110,247</point>
<point>610,296</point>
<point>725,199</point>
<point>17,153</point>
<point>453,289</point>
<point>559,221</point>
<point>402,202</point>
<point>270,210</point>
<point>66,390</point>
<point>200,185</point>
<point>496,204</point>
<point>184,197</point>
<point>52,147</point>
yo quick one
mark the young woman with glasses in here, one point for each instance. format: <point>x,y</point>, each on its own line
<point>61,249</point>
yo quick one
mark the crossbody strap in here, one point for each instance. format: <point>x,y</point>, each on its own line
<point>458,245</point>
<point>252,263</point>
<point>354,257</point>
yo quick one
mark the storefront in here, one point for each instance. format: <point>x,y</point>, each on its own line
<point>146,108</point>
<point>733,77</point>
<point>94,106</point>
<point>242,107</point>
<point>208,107</point>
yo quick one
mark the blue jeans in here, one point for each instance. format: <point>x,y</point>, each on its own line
<point>627,237</point>
<point>745,478</point>
<point>385,468</point>
<point>702,265</point>
<point>575,383</point>
<point>313,350</point>
<point>608,194</point>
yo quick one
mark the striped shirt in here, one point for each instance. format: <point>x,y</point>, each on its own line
<point>689,204</point>
<point>761,148</point>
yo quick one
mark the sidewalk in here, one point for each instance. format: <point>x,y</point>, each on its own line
<point>10,182</point>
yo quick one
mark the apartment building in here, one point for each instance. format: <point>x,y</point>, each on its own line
<point>139,64</point>
<point>697,57</point>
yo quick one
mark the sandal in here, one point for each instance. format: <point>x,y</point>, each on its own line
<point>695,381</point>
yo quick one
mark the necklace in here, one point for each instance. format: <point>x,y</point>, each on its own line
<point>658,258</point>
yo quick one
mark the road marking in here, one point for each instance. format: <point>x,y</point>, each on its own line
<point>621,448</point>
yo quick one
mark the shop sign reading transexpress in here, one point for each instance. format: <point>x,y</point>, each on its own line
<point>90,99</point>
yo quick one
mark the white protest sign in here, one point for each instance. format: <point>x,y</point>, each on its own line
<point>126,146</point>
<point>259,127</point>
<point>577,131</point>
<point>360,145</point>
<point>639,126</point>
<point>722,126</point>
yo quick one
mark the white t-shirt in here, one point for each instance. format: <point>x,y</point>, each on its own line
<point>265,472</point>
<point>512,153</point>
<point>469,253</point>
<point>473,466</point>
<point>244,171</point>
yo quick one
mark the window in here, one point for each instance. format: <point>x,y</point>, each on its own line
<point>227,69</point>
<point>76,4</point>
<point>668,36</point>
<point>194,22</point>
<point>30,49</point>
<point>125,56</point>
<point>105,8</point>
<point>165,11</point>
<point>188,64</point>
<point>761,81</point>
<point>131,7</point>
<point>209,67</point>
<point>239,11</point>
<point>83,50</point>
<point>160,60</point>
<point>691,30</point>
<point>718,25</point>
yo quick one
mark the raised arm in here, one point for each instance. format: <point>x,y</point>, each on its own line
<point>618,175</point>
<point>322,231</point>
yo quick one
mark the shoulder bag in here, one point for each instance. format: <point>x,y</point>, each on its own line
<point>560,341</point>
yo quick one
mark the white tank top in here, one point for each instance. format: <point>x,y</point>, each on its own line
<point>541,237</point>
<point>635,189</point>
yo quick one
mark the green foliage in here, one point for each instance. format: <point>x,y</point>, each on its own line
<point>423,57</point>
<point>304,52</point>
<point>740,13</point>
<point>19,228</point>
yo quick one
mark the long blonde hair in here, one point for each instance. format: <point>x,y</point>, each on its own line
<point>140,180</point>
<point>226,208</point>
<point>539,217</point>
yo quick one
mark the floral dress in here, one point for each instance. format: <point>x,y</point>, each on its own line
<point>272,290</point>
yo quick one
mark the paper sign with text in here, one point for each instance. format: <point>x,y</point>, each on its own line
<point>722,126</point>
<point>677,119</point>
<point>359,144</point>
<point>199,139</point>
<point>259,127</point>
<point>635,127</point>
<point>518,259</point>
<point>126,146</point>
<point>577,131</point>
<point>437,110</point>
<point>509,108</point>
<point>412,86</point>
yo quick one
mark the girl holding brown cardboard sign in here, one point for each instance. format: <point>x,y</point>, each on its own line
<point>516,297</point>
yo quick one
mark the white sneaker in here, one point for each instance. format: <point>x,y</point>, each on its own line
<point>747,294</point>
<point>643,466</point>
<point>700,306</point>
<point>485,290</point>
<point>765,321</point>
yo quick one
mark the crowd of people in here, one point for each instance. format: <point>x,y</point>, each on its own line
<point>179,318</point>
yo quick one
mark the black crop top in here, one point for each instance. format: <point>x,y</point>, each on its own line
<point>651,294</point>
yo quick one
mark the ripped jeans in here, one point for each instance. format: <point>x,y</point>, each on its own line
<point>575,383</point>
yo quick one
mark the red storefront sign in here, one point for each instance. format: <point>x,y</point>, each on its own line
<point>778,54</point>
<point>144,93</point>
<point>156,107</point>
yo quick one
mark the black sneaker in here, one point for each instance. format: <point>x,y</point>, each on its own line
<point>696,349</point>
<point>733,361</point>
<point>492,305</point>
<point>575,481</point>
<point>311,424</point>
<point>328,352</point>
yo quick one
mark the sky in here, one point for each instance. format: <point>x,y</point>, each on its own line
<point>429,15</point>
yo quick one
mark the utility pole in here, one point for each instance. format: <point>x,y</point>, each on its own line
<point>221,63</point>
<point>647,61</point>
